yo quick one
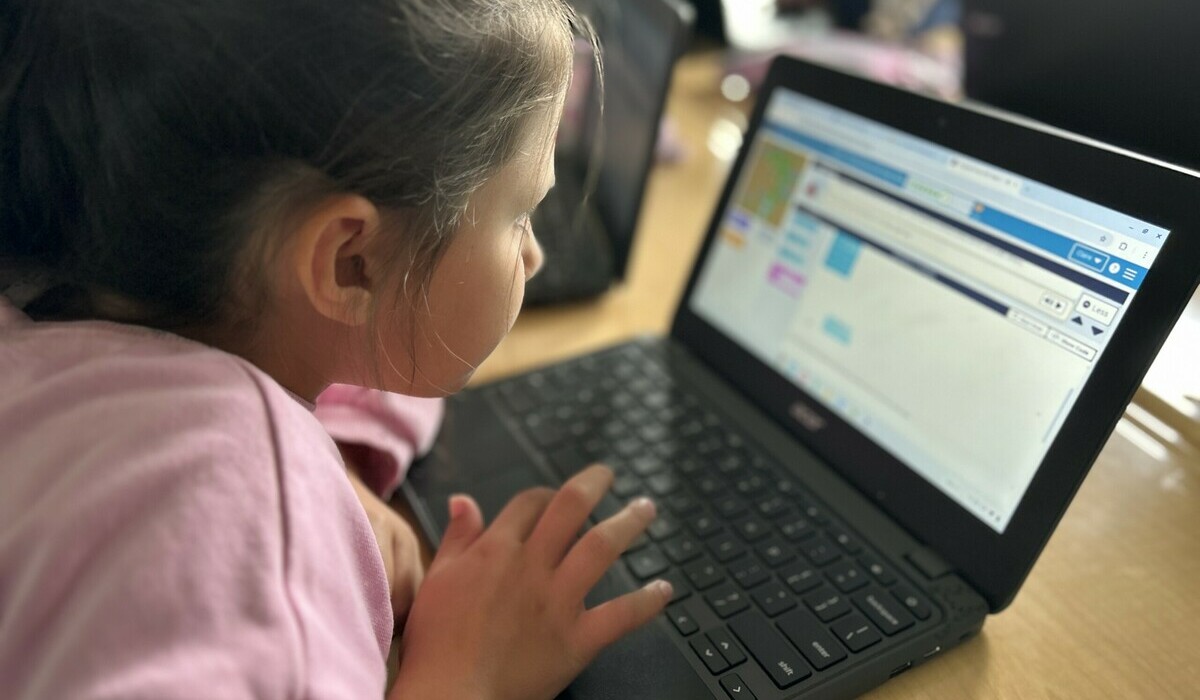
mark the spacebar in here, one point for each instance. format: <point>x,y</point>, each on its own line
<point>770,649</point>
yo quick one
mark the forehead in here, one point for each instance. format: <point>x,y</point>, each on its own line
<point>537,143</point>
<point>532,166</point>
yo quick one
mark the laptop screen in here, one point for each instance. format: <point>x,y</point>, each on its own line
<point>947,309</point>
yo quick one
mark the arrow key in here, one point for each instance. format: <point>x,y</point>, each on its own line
<point>707,651</point>
<point>732,683</point>
<point>728,648</point>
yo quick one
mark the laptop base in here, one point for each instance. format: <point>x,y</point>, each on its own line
<point>487,450</point>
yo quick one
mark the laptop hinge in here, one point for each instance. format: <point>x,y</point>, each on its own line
<point>928,562</point>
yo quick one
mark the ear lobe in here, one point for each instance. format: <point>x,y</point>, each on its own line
<point>332,258</point>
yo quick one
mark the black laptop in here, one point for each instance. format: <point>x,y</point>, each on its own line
<point>587,223</point>
<point>910,331</point>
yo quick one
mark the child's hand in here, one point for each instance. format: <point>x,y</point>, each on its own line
<point>399,547</point>
<point>501,616</point>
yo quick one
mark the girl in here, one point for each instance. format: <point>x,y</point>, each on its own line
<point>215,211</point>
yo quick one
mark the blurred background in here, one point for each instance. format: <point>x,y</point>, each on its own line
<point>1116,70</point>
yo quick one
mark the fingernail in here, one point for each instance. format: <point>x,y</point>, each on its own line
<point>644,507</point>
<point>457,504</point>
<point>663,588</point>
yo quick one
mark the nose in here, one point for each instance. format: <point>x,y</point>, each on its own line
<point>532,255</point>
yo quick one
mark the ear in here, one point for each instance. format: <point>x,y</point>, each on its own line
<point>331,260</point>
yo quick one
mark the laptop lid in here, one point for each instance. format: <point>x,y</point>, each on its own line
<point>640,39</point>
<point>951,307</point>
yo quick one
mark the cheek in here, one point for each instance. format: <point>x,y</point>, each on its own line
<point>474,298</point>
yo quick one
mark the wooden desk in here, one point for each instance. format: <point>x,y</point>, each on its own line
<point>1112,609</point>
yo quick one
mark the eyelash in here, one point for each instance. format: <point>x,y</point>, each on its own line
<point>523,221</point>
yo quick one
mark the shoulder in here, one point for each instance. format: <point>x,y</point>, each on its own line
<point>145,513</point>
<point>112,393</point>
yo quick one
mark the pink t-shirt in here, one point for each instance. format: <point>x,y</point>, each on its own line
<point>173,523</point>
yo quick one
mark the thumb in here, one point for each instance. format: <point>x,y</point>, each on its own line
<point>466,524</point>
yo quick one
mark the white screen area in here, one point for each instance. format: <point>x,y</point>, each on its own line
<point>949,310</point>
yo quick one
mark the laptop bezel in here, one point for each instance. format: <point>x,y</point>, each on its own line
<point>996,564</point>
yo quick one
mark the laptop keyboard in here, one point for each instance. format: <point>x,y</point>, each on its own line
<point>794,589</point>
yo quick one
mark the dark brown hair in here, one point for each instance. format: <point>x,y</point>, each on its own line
<point>150,149</point>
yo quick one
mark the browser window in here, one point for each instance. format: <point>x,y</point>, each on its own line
<point>949,310</point>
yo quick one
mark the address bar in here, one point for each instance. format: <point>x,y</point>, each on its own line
<point>858,209</point>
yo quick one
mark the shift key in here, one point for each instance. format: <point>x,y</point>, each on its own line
<point>768,647</point>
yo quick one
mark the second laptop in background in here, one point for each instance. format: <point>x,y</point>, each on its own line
<point>586,227</point>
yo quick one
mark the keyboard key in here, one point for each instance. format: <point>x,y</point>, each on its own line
<point>647,464</point>
<point>627,486</point>
<point>750,485</point>
<point>844,540</point>
<point>727,600</point>
<point>801,577</point>
<point>704,525</point>
<point>728,648</point>
<point>827,603</point>
<point>847,576</point>
<point>647,562</point>
<point>662,484</point>
<point>725,547</point>
<point>768,647</point>
<point>703,573</point>
<point>775,553</point>
<point>774,598</point>
<point>683,548</point>
<point>772,506</point>
<point>710,486</point>
<point>680,588</point>
<point>730,507</point>
<point>629,447</point>
<point>812,639</point>
<point>730,463</point>
<point>657,399</point>
<point>886,612</point>
<point>752,528</point>
<point>682,504</point>
<point>814,513</point>
<point>707,651</point>
<point>663,526</point>
<point>855,632</point>
<point>682,618</point>
<point>654,432</point>
<point>821,551</point>
<point>748,572</point>
<point>668,450</point>
<point>916,604</point>
<point>881,573</point>
<point>796,528</point>
<point>736,688</point>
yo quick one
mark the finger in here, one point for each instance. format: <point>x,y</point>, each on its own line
<point>568,512</point>
<point>608,622</point>
<point>466,524</point>
<point>599,547</point>
<point>518,518</point>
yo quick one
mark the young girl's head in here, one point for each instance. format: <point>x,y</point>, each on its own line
<point>337,190</point>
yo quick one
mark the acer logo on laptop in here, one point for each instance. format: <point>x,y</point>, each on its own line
<point>806,416</point>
